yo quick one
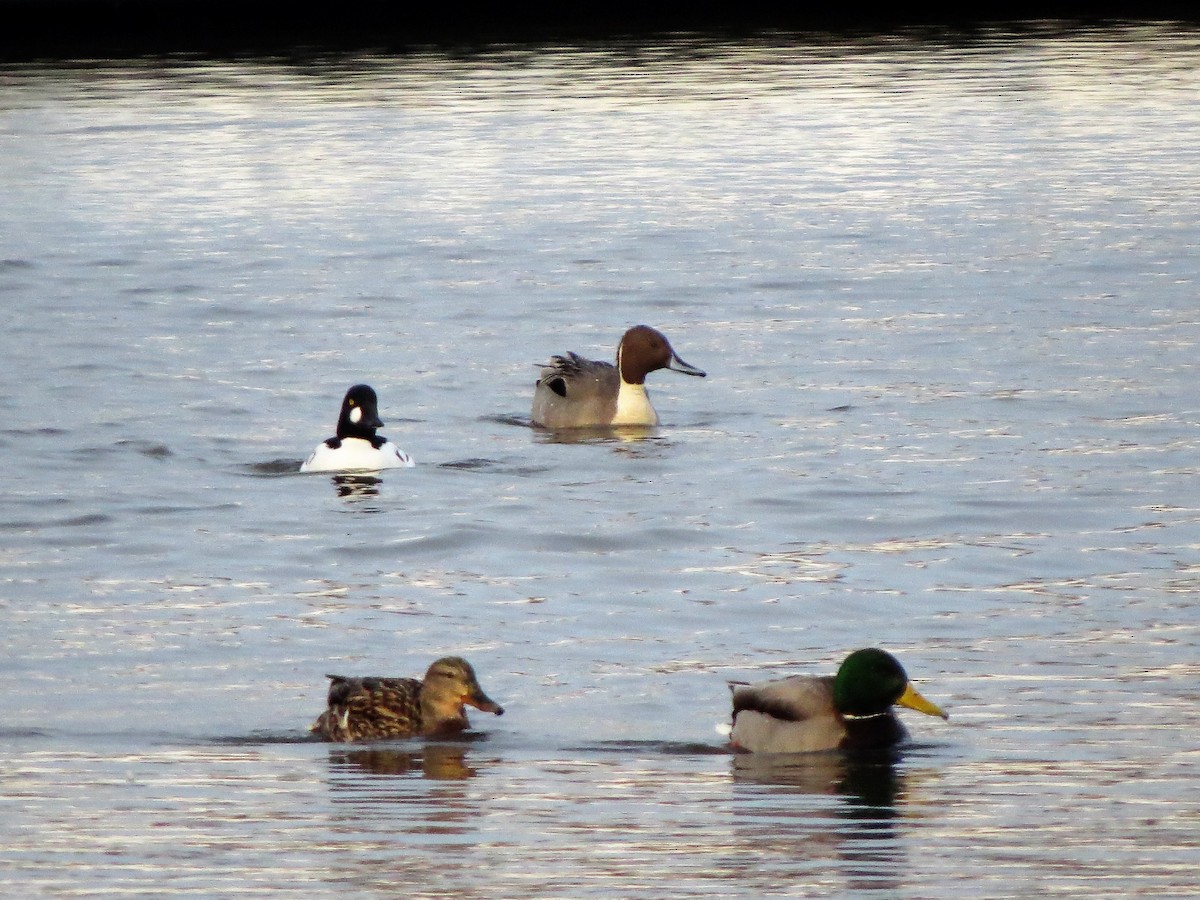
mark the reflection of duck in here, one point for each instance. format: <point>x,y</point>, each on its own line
<point>853,840</point>
<point>848,711</point>
<point>366,709</point>
<point>357,447</point>
<point>357,487</point>
<point>441,762</point>
<point>574,392</point>
<point>869,779</point>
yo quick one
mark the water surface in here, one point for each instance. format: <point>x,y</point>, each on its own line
<point>946,296</point>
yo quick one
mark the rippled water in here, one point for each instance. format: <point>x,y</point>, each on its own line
<point>946,296</point>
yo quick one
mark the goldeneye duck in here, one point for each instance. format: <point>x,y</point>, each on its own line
<point>357,447</point>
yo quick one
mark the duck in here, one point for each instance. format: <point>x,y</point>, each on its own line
<point>372,709</point>
<point>574,392</point>
<point>356,447</point>
<point>849,711</point>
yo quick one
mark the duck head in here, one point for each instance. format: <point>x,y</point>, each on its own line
<point>644,350</point>
<point>450,685</point>
<point>360,413</point>
<point>871,681</point>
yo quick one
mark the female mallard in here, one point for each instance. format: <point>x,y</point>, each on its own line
<point>370,709</point>
<point>848,711</point>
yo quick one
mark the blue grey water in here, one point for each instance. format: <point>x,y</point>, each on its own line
<point>946,294</point>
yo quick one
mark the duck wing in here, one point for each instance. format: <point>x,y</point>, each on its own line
<point>794,699</point>
<point>365,709</point>
<point>572,391</point>
<point>789,715</point>
<point>567,374</point>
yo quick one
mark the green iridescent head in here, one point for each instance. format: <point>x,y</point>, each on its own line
<point>870,681</point>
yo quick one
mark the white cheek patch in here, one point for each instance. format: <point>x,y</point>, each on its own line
<point>356,415</point>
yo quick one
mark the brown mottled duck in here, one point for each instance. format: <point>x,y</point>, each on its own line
<point>372,709</point>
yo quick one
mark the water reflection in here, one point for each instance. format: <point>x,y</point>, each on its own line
<point>859,832</point>
<point>598,434</point>
<point>869,781</point>
<point>410,813</point>
<point>357,487</point>
<point>987,254</point>
<point>441,762</point>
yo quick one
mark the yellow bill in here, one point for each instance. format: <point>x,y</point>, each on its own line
<point>912,699</point>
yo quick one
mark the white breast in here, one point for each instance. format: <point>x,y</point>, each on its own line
<point>356,455</point>
<point>633,406</point>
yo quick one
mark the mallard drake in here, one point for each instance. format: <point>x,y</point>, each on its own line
<point>371,709</point>
<point>574,392</point>
<point>851,710</point>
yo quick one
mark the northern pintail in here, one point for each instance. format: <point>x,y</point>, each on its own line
<point>574,392</point>
<point>371,709</point>
<point>357,447</point>
<point>848,711</point>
